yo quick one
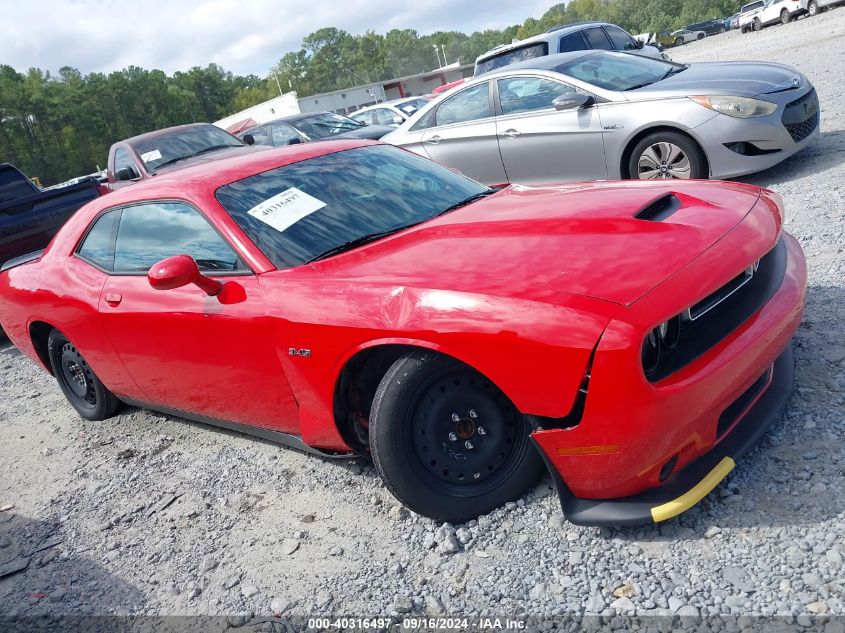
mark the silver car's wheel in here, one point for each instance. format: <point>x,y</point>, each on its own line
<point>813,8</point>
<point>662,161</point>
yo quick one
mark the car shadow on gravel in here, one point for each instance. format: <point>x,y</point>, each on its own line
<point>826,153</point>
<point>794,475</point>
<point>42,577</point>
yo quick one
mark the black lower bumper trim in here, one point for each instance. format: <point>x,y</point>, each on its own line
<point>637,509</point>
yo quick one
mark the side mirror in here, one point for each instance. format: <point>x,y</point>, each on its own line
<point>572,100</point>
<point>397,119</point>
<point>249,139</point>
<point>126,173</point>
<point>294,141</point>
<point>178,271</point>
<point>639,43</point>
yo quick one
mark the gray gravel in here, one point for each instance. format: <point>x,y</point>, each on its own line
<point>147,514</point>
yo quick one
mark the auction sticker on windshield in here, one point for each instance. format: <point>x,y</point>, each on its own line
<point>286,209</point>
<point>150,156</point>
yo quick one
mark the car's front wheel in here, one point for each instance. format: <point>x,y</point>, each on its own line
<point>446,441</point>
<point>813,8</point>
<point>785,17</point>
<point>667,155</point>
<point>756,24</point>
<point>81,386</point>
<point>679,41</point>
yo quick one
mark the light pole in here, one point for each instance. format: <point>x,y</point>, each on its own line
<point>437,53</point>
<point>443,48</point>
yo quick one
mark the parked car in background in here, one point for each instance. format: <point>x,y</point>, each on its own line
<point>709,27</point>
<point>311,126</point>
<point>448,86</point>
<point>684,36</point>
<point>732,22</point>
<point>578,36</point>
<point>747,13</point>
<point>351,297</point>
<point>814,6</point>
<point>389,113</point>
<point>170,149</point>
<point>30,216</point>
<point>606,115</point>
<point>773,12</point>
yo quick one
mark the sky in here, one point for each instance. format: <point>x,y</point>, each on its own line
<point>242,36</point>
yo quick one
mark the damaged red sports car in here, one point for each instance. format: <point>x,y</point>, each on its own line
<point>351,297</point>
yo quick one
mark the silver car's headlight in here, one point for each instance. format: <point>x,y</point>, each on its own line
<point>739,107</point>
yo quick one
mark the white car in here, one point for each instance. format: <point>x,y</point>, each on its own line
<point>761,14</point>
<point>392,113</point>
<point>686,37</point>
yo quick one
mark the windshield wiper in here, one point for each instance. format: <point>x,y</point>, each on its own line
<point>202,151</point>
<point>358,241</point>
<point>371,237</point>
<point>467,201</point>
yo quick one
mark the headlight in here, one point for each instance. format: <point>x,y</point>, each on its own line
<point>738,107</point>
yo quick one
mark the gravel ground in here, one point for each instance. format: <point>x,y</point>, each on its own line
<point>147,514</point>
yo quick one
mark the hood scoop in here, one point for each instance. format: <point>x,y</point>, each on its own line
<point>659,209</point>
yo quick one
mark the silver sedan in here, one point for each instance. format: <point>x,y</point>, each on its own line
<point>605,115</point>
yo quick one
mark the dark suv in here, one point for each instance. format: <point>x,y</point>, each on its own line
<point>711,27</point>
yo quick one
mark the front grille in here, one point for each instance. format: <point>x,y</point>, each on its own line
<point>737,407</point>
<point>801,117</point>
<point>708,328</point>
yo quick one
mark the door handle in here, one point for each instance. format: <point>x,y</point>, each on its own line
<point>113,298</point>
<point>434,140</point>
<point>511,133</point>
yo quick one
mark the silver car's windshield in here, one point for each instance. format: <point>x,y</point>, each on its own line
<point>618,71</point>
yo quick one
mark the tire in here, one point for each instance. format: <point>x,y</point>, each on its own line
<point>446,441</point>
<point>785,17</point>
<point>756,25</point>
<point>721,30</point>
<point>660,152</point>
<point>85,392</point>
<point>700,36</point>
<point>679,41</point>
<point>813,8</point>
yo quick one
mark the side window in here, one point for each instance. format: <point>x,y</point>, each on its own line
<point>98,246</point>
<point>425,122</point>
<point>597,39</point>
<point>620,40</point>
<point>383,116</point>
<point>283,134</point>
<point>364,117</point>
<point>572,42</point>
<point>151,232</point>
<point>122,159</point>
<point>469,105</point>
<point>527,94</point>
<point>261,135</point>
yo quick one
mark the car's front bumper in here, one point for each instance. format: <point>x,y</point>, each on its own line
<point>640,445</point>
<point>736,147</point>
<point>688,486</point>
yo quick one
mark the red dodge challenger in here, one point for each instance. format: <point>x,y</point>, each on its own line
<point>351,297</point>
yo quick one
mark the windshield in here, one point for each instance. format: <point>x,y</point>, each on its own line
<point>512,56</point>
<point>297,212</point>
<point>412,105</point>
<point>170,147</point>
<point>618,71</point>
<point>327,124</point>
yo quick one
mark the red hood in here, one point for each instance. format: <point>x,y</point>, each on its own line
<point>539,242</point>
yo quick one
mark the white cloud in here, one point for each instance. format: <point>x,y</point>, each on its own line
<point>243,36</point>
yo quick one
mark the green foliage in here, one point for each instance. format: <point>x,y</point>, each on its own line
<point>57,127</point>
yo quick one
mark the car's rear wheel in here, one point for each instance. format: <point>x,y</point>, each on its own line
<point>785,17</point>
<point>446,441</point>
<point>667,155</point>
<point>813,8</point>
<point>679,41</point>
<point>722,29</point>
<point>700,36</point>
<point>756,24</point>
<point>85,392</point>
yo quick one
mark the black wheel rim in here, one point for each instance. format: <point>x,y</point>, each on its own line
<point>465,436</point>
<point>77,376</point>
